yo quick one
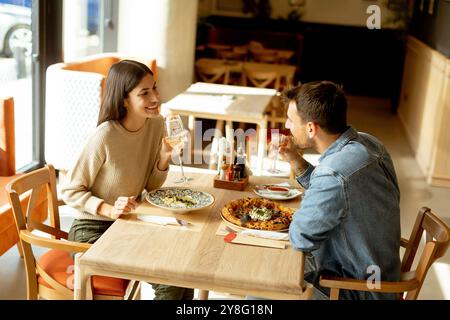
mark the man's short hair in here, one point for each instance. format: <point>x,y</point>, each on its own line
<point>322,102</point>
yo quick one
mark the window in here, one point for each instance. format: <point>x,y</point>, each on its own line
<point>89,27</point>
<point>16,72</point>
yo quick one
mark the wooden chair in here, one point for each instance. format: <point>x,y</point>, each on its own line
<point>260,78</point>
<point>213,74</point>
<point>437,241</point>
<point>51,277</point>
<point>8,231</point>
<point>73,97</point>
<point>267,79</point>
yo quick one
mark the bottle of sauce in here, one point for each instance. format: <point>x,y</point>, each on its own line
<point>240,161</point>
<point>229,173</point>
<point>223,172</point>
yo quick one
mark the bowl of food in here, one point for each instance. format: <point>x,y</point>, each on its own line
<point>179,200</point>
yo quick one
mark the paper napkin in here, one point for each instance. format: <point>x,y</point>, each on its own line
<point>158,220</point>
<point>266,234</point>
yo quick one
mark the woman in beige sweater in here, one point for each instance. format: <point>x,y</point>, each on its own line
<point>126,155</point>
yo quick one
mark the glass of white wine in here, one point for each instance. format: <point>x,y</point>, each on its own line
<point>278,140</point>
<point>176,137</point>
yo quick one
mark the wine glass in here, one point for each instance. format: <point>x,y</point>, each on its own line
<point>278,140</point>
<point>176,137</point>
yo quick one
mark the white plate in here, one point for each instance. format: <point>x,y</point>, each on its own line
<point>294,193</point>
<point>203,199</point>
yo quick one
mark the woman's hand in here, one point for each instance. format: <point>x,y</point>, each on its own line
<point>164,155</point>
<point>167,150</point>
<point>122,206</point>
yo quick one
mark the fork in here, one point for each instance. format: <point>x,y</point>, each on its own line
<point>182,223</point>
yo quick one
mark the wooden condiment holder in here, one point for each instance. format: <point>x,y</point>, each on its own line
<point>231,185</point>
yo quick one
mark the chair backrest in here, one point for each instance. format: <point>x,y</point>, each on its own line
<point>261,79</point>
<point>39,182</point>
<point>437,242</point>
<point>74,92</point>
<point>213,74</point>
<point>7,138</point>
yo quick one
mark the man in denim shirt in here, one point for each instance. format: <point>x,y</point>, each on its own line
<point>348,223</point>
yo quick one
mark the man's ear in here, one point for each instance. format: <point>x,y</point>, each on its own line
<point>311,129</point>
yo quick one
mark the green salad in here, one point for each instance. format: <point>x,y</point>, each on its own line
<point>261,214</point>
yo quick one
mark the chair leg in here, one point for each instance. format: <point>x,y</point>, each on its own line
<point>203,295</point>
<point>19,248</point>
<point>334,294</point>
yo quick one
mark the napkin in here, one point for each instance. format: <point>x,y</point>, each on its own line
<point>252,241</point>
<point>265,234</point>
<point>158,220</point>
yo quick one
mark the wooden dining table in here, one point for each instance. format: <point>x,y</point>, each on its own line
<point>196,256</point>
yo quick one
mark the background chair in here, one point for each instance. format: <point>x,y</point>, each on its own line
<point>8,231</point>
<point>267,79</point>
<point>213,74</point>
<point>73,97</point>
<point>260,78</point>
<point>51,276</point>
<point>437,241</point>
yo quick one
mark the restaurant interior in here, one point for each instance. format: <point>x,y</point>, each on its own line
<point>221,65</point>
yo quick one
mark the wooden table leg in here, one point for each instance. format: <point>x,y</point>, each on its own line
<point>192,147</point>
<point>262,144</point>
<point>229,133</point>
<point>203,295</point>
<point>82,289</point>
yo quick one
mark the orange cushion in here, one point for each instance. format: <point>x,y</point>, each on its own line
<point>59,265</point>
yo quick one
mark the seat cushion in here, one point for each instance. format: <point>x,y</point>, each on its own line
<point>59,265</point>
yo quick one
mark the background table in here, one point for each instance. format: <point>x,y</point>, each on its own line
<point>132,249</point>
<point>228,103</point>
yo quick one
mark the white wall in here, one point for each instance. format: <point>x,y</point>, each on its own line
<point>165,30</point>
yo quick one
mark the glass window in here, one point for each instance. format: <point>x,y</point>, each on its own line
<point>15,72</point>
<point>82,28</point>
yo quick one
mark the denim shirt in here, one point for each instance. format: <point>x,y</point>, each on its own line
<point>349,218</point>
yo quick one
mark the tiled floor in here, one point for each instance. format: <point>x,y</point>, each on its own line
<point>369,115</point>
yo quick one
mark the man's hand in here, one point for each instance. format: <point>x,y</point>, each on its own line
<point>289,151</point>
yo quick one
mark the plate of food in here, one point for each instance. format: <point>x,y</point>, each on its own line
<point>179,200</point>
<point>257,213</point>
<point>277,192</point>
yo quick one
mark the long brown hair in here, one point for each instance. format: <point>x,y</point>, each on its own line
<point>122,78</point>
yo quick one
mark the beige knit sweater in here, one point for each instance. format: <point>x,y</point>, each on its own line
<point>115,163</point>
